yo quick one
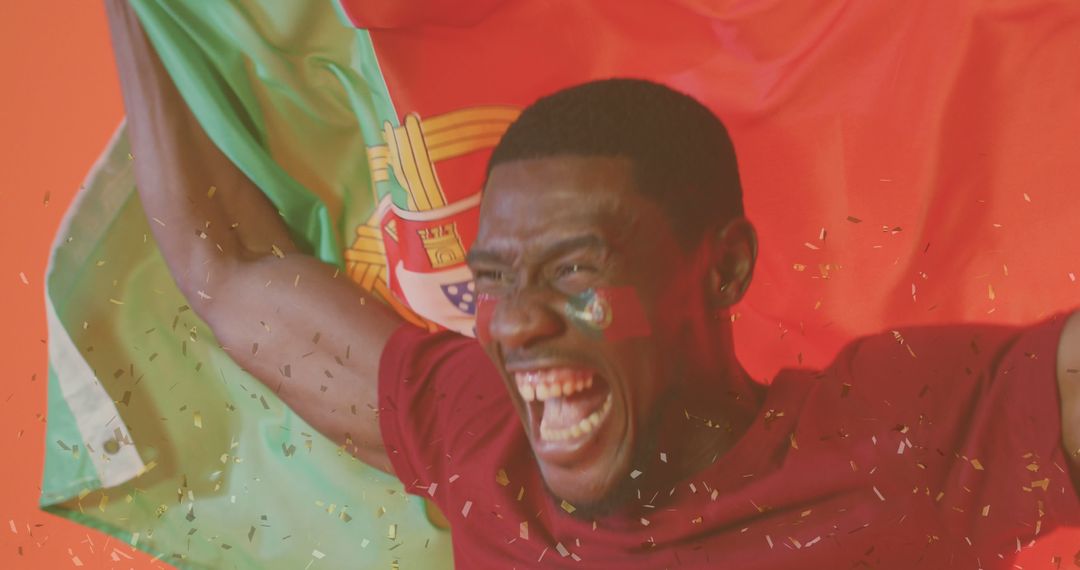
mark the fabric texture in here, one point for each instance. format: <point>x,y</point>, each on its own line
<point>937,447</point>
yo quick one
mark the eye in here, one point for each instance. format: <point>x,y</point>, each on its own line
<point>488,275</point>
<point>573,270</point>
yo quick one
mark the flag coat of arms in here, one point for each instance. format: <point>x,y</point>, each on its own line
<point>903,164</point>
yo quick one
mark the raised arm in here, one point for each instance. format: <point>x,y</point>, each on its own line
<point>1069,385</point>
<point>284,316</point>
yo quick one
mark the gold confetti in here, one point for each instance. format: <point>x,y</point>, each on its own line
<point>977,465</point>
<point>501,478</point>
<point>198,419</point>
<point>211,191</point>
<point>986,511</point>
<point>277,251</point>
<point>990,292</point>
<point>811,246</point>
<point>1026,197</point>
<point>523,531</point>
<point>466,508</point>
<point>22,277</point>
<point>391,532</point>
<point>568,507</point>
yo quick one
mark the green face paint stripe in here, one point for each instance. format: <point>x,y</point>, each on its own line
<point>589,311</point>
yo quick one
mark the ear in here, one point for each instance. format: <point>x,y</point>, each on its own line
<point>733,254</point>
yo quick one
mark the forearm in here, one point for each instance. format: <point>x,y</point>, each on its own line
<point>204,213</point>
<point>285,317</point>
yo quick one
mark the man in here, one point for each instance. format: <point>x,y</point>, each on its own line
<point>603,420</point>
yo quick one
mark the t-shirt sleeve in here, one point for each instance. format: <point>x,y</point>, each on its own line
<point>438,395</point>
<point>977,419</point>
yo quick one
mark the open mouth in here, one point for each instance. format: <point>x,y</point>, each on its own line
<point>568,406</point>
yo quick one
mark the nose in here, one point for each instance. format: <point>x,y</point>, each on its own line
<point>524,318</point>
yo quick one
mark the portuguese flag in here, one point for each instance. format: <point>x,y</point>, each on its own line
<point>904,164</point>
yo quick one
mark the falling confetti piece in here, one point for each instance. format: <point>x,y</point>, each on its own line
<point>465,509</point>
<point>568,507</point>
<point>878,493</point>
<point>977,465</point>
<point>1026,197</point>
<point>990,292</point>
<point>211,191</point>
<point>501,478</point>
<point>22,277</point>
<point>523,531</point>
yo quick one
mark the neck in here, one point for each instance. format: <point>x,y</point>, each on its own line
<point>703,419</point>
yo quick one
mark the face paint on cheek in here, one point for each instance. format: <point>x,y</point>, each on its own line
<point>613,313</point>
<point>485,307</point>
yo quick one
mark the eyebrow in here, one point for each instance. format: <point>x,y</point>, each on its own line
<point>587,241</point>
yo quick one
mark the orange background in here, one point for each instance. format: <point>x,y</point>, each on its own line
<point>59,104</point>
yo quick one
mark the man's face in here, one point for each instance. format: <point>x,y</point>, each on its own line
<point>577,275</point>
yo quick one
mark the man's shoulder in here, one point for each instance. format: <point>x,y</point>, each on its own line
<point>908,367</point>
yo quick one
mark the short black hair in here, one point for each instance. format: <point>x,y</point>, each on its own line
<point>681,154</point>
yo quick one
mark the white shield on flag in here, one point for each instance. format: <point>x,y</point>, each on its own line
<point>446,297</point>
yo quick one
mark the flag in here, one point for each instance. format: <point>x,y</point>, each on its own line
<point>904,164</point>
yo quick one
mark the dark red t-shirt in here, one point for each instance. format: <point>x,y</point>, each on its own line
<point>940,451</point>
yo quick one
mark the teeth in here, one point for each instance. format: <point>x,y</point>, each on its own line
<point>552,383</point>
<point>528,392</point>
<point>582,428</point>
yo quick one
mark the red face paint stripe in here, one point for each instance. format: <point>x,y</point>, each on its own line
<point>615,313</point>
<point>627,315</point>
<point>485,307</point>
